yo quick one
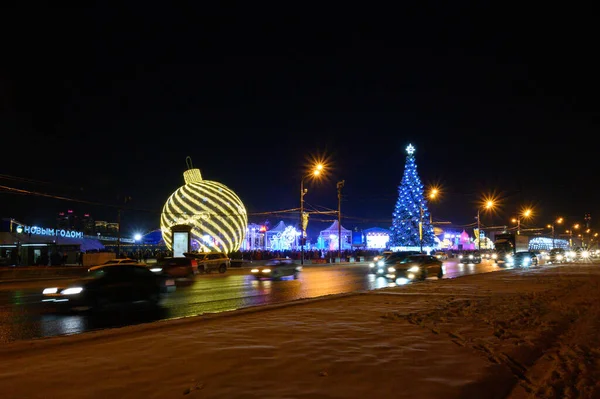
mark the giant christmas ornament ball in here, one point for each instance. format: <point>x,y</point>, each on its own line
<point>216,214</point>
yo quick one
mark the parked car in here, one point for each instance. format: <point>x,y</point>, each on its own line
<point>210,261</point>
<point>523,259</point>
<point>179,267</point>
<point>380,266</point>
<point>415,267</point>
<point>276,268</point>
<point>111,284</point>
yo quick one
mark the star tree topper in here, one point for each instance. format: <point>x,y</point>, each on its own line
<point>410,149</point>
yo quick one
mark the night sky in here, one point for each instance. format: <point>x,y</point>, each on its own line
<point>100,104</point>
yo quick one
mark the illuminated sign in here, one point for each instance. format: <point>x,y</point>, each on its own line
<point>42,231</point>
<point>180,243</point>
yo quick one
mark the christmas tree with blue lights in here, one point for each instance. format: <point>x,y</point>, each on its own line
<point>411,209</point>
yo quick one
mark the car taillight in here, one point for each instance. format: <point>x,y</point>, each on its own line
<point>194,262</point>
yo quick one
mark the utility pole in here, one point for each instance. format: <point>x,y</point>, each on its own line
<point>478,230</point>
<point>126,200</point>
<point>119,233</point>
<point>340,185</point>
<point>421,228</point>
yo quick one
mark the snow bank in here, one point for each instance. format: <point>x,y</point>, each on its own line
<point>515,334</point>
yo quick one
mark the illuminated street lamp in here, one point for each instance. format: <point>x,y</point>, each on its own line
<point>570,232</point>
<point>315,173</point>
<point>434,194</point>
<point>552,226</point>
<point>526,214</point>
<point>487,206</point>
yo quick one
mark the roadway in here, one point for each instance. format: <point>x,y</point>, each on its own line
<point>23,315</point>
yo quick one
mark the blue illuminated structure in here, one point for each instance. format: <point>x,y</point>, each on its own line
<point>411,209</point>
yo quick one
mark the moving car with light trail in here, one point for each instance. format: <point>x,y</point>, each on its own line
<point>415,267</point>
<point>523,259</point>
<point>557,255</point>
<point>276,268</point>
<point>380,266</point>
<point>111,284</point>
<point>469,257</point>
<point>176,267</point>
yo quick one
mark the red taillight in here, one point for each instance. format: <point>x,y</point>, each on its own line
<point>194,262</point>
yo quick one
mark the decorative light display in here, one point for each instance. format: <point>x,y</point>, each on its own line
<point>283,241</point>
<point>377,240</point>
<point>411,208</point>
<point>216,214</point>
<point>546,244</point>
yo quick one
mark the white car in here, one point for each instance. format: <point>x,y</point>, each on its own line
<point>277,268</point>
<point>210,261</point>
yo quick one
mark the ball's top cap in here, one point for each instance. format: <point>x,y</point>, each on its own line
<point>191,175</point>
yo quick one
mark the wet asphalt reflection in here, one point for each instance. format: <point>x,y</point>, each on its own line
<point>23,315</point>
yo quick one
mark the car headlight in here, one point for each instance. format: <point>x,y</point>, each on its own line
<point>52,290</point>
<point>266,270</point>
<point>72,291</point>
<point>470,256</point>
<point>371,264</point>
<point>156,269</point>
<point>526,260</point>
<point>508,257</point>
<point>559,257</point>
<point>414,269</point>
<point>459,256</point>
<point>585,254</point>
<point>571,254</point>
<point>254,271</point>
<point>391,269</point>
<point>380,263</point>
<point>494,256</point>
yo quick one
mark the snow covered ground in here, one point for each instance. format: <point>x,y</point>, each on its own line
<point>506,334</point>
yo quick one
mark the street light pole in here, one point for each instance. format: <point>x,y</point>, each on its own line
<point>318,168</point>
<point>303,235</point>
<point>489,205</point>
